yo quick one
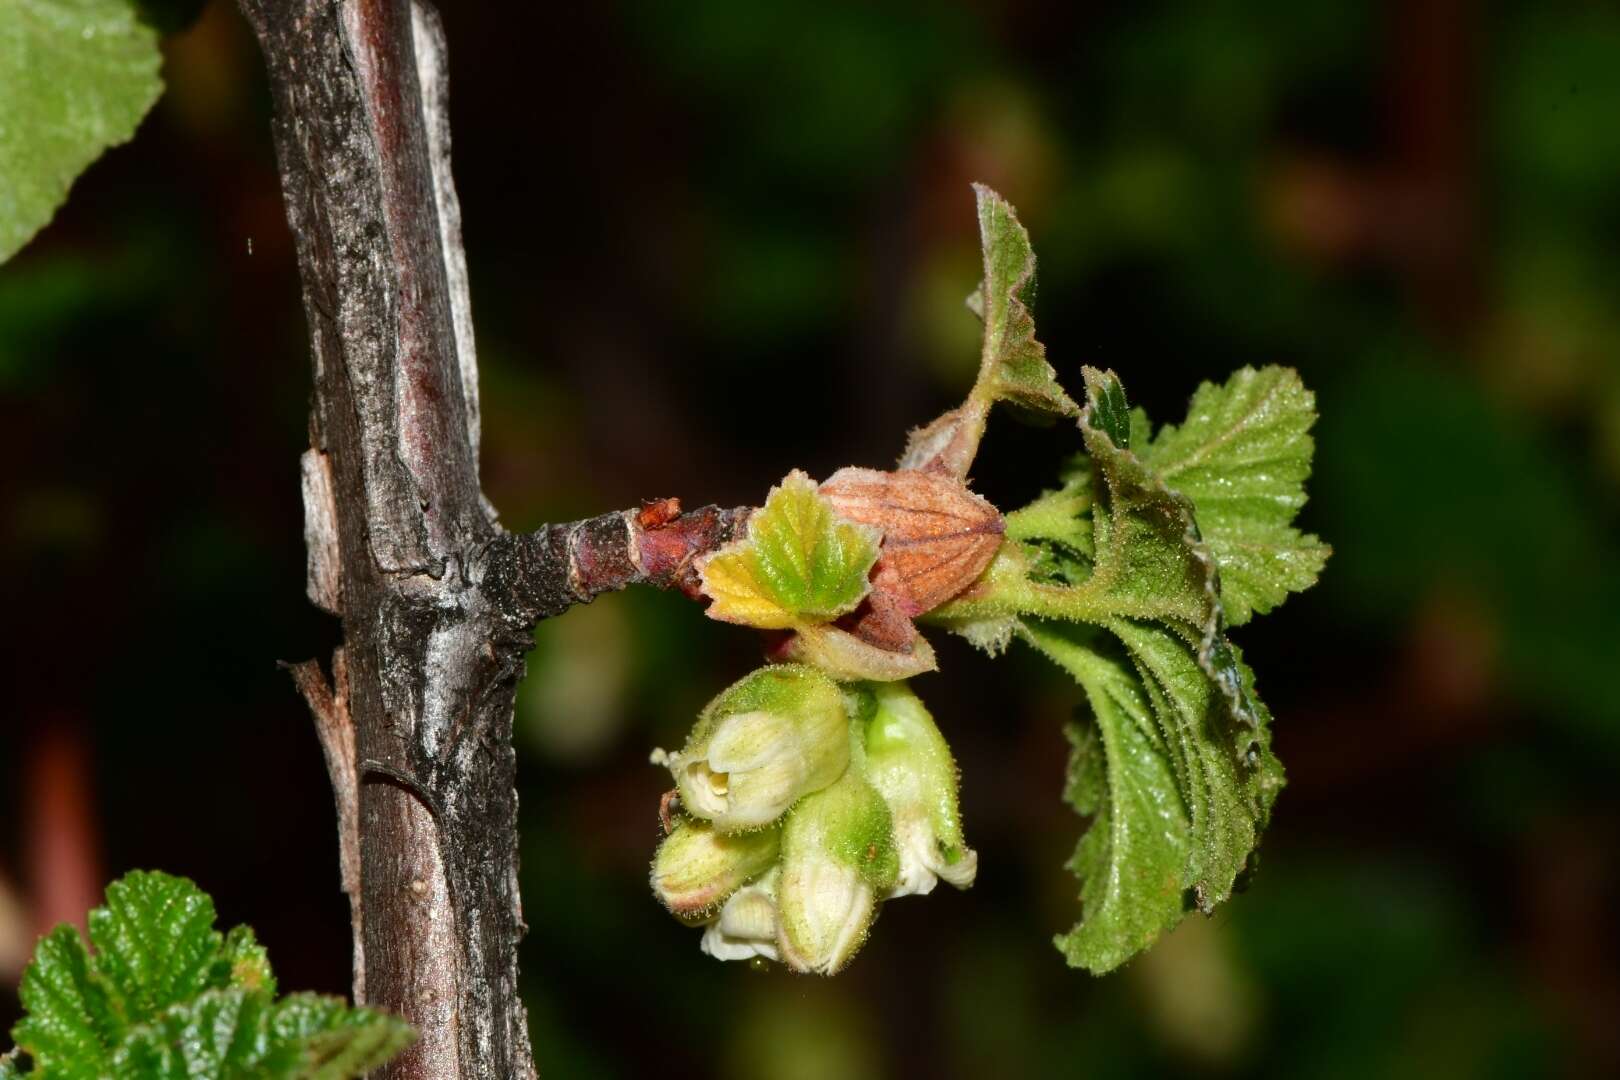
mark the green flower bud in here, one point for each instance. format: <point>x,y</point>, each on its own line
<point>772,737</point>
<point>697,868</point>
<point>910,765</point>
<point>838,859</point>
<point>746,926</point>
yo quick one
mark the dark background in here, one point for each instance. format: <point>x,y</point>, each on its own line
<point>712,241</point>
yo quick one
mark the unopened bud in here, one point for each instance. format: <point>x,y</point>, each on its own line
<point>938,536</point>
<point>910,765</point>
<point>697,868</point>
<point>772,737</point>
<point>838,859</point>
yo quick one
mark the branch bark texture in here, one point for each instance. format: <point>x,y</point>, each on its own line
<point>437,601</point>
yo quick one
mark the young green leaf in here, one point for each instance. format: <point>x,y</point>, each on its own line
<point>247,961</point>
<point>219,1033</point>
<point>1213,726</point>
<point>1132,860</point>
<point>165,995</point>
<point>314,1037</point>
<point>156,944</point>
<point>1180,729</point>
<point>71,1023</point>
<point>1148,561</point>
<point>1013,365</point>
<point>1108,411</point>
<point>76,77</point>
<point>1242,456</point>
<point>799,564</point>
<point>1218,776</point>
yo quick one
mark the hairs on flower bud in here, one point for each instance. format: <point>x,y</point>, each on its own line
<point>909,763</point>
<point>697,868</point>
<point>775,735</point>
<point>838,858</point>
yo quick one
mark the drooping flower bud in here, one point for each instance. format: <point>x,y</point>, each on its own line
<point>838,860</point>
<point>746,925</point>
<point>910,765</point>
<point>772,737</point>
<point>697,867</point>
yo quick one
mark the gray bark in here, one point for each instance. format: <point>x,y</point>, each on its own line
<point>437,602</point>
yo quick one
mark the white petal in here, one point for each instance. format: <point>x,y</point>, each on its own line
<point>746,925</point>
<point>759,796</point>
<point>963,871</point>
<point>718,945</point>
<point>705,794</point>
<point>749,740</point>
<point>922,865</point>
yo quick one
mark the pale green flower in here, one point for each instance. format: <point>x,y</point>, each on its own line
<point>838,859</point>
<point>772,737</point>
<point>910,765</point>
<point>697,867</point>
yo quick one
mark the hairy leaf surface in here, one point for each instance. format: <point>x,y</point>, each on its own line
<point>1132,860</point>
<point>1174,766</point>
<point>1242,456</point>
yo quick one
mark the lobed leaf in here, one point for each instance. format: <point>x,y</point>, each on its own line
<point>247,962</point>
<point>1147,560</point>
<point>1209,749</point>
<point>76,77</point>
<point>70,1022</point>
<point>1242,456</point>
<point>166,996</point>
<point>322,1038</point>
<point>799,563</point>
<point>1012,362</point>
<point>219,1034</point>
<point>1174,766</point>
<point>155,943</point>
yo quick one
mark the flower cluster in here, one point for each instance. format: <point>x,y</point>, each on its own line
<point>804,804</point>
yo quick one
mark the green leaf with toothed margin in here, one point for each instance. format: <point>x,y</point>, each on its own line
<point>1175,766</point>
<point>71,1022</point>
<point>1132,858</point>
<point>323,1038</point>
<point>156,944</point>
<point>799,564</point>
<point>166,995</point>
<point>1012,364</point>
<point>1242,456</point>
